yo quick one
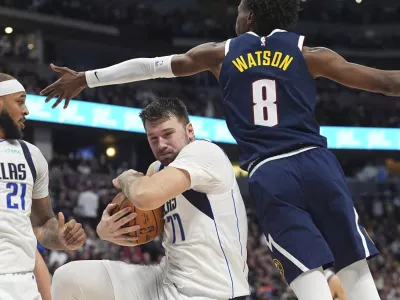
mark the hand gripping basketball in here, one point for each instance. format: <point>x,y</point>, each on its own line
<point>113,228</point>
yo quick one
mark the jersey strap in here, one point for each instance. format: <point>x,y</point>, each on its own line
<point>28,158</point>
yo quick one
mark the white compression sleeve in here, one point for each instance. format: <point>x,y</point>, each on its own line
<point>357,282</point>
<point>130,71</point>
<point>311,285</point>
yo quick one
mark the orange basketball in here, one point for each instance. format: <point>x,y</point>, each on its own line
<point>151,222</point>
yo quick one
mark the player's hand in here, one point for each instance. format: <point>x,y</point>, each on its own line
<point>130,173</point>
<point>70,84</point>
<point>113,228</point>
<point>71,235</point>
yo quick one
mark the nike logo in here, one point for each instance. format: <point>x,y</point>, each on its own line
<point>95,74</point>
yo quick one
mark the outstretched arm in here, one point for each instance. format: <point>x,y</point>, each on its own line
<point>323,62</point>
<point>205,57</point>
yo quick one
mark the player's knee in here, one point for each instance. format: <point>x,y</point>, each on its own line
<point>66,277</point>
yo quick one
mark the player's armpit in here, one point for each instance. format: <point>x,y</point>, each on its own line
<point>205,57</point>
<point>153,192</point>
<point>323,62</point>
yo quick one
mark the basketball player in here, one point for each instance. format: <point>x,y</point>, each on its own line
<point>25,208</point>
<point>205,232</point>
<point>267,79</point>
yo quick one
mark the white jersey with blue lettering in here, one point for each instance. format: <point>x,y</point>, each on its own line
<point>23,177</point>
<point>205,233</point>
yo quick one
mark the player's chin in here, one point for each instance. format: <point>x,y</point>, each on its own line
<point>166,159</point>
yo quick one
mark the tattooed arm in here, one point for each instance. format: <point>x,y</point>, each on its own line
<point>45,224</point>
<point>52,233</point>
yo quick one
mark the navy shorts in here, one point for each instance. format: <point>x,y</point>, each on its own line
<point>307,214</point>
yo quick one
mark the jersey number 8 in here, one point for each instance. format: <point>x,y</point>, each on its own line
<point>265,109</point>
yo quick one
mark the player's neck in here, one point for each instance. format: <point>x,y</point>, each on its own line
<point>2,135</point>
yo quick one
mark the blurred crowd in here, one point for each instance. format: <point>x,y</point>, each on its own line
<point>199,19</point>
<point>82,189</point>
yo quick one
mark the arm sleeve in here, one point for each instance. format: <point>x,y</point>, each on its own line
<point>209,168</point>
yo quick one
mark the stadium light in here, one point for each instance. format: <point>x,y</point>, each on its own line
<point>8,30</point>
<point>110,152</point>
<point>358,1</point>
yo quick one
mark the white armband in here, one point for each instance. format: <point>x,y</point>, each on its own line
<point>130,71</point>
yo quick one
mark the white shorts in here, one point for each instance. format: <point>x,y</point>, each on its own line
<point>142,282</point>
<point>20,286</point>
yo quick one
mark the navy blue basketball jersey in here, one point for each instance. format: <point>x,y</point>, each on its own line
<point>269,95</point>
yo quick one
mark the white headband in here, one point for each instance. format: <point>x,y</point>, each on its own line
<point>9,87</point>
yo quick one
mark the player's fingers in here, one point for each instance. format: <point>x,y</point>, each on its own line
<point>126,230</point>
<point>120,214</point>
<point>75,237</point>
<point>69,226</point>
<point>73,231</point>
<point>59,69</point>
<point>50,96</point>
<point>116,183</point>
<point>59,100</point>
<point>47,90</point>
<point>66,103</point>
<point>61,220</point>
<point>125,220</point>
<point>109,208</point>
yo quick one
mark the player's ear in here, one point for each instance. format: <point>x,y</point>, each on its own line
<point>251,19</point>
<point>190,131</point>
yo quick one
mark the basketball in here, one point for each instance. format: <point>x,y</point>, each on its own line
<point>151,222</point>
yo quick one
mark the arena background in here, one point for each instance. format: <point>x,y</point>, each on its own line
<point>361,127</point>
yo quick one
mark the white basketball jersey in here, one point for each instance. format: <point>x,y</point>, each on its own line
<point>205,232</point>
<point>18,166</point>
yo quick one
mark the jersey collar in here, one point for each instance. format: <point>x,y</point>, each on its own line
<point>274,31</point>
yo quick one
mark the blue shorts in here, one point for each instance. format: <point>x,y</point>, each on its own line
<point>307,214</point>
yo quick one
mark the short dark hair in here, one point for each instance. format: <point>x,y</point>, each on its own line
<point>5,77</point>
<point>273,14</point>
<point>164,109</point>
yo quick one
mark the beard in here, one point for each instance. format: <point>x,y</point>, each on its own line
<point>167,159</point>
<point>10,129</point>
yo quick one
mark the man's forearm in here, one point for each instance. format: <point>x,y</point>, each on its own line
<point>138,190</point>
<point>47,235</point>
<point>131,71</point>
